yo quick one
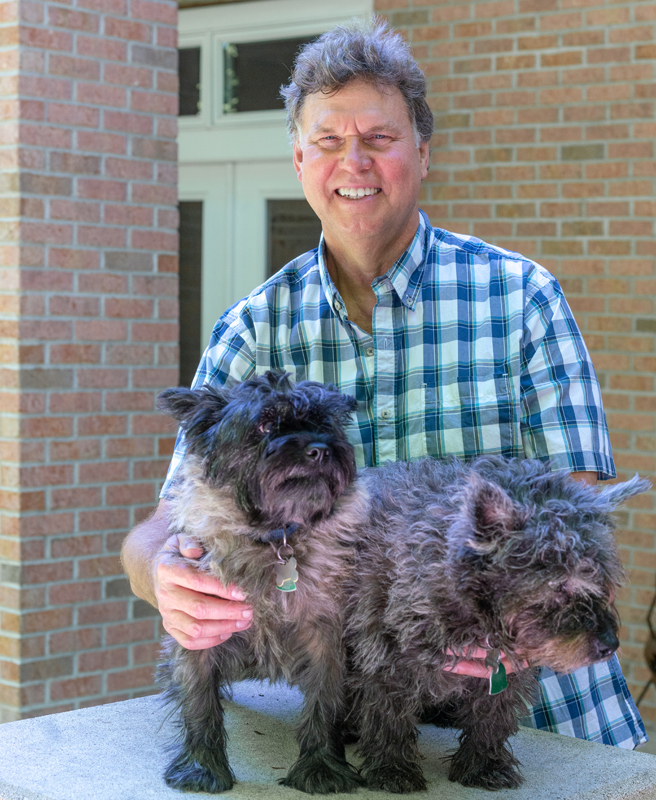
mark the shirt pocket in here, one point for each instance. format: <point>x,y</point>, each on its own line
<point>472,413</point>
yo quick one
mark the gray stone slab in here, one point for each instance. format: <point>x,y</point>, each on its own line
<point>117,752</point>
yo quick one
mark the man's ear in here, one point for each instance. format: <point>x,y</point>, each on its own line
<point>424,158</point>
<point>298,160</point>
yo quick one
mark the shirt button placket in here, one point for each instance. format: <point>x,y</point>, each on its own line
<point>384,376</point>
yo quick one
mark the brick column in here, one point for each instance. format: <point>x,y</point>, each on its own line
<point>545,144</point>
<point>88,337</point>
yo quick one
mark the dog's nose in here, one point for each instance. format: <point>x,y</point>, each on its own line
<point>316,451</point>
<point>607,643</point>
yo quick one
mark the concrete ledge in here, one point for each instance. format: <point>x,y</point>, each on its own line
<point>117,752</point>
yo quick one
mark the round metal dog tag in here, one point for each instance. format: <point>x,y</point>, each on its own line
<point>286,575</point>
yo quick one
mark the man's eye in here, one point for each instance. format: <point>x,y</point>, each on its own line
<point>380,136</point>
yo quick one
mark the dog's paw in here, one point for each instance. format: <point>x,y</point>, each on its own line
<point>486,773</point>
<point>321,774</point>
<point>186,774</point>
<point>396,778</point>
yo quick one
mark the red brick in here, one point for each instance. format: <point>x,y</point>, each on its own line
<point>128,215</point>
<point>104,472</point>
<point>130,494</point>
<point>75,687</point>
<point>78,592</point>
<point>102,142</point>
<point>46,620</point>
<point>75,498</point>
<point>128,29</point>
<point>77,68</point>
<point>70,210</point>
<point>154,102</point>
<point>129,679</point>
<point>102,190</point>
<point>130,169</point>
<point>46,39</point>
<point>78,450</point>
<point>99,567</point>
<point>154,240</point>
<point>104,660</point>
<point>69,114</point>
<point>101,425</point>
<point>130,632</point>
<point>101,236</point>
<point>104,519</point>
<point>103,379</point>
<point>99,47</point>
<point>139,77</point>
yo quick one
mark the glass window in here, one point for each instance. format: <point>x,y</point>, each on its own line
<point>255,71</point>
<point>190,275</point>
<point>292,229</point>
<point>189,81</point>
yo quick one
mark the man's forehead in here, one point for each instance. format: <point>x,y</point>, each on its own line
<point>373,109</point>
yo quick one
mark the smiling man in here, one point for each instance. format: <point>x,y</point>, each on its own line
<point>450,345</point>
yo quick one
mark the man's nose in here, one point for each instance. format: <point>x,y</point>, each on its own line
<point>355,157</point>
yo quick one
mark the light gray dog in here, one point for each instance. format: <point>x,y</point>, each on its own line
<point>359,586</point>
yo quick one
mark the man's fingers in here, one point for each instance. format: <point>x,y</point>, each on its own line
<point>171,572</point>
<point>182,626</point>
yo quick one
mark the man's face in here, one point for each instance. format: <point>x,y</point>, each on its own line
<point>361,138</point>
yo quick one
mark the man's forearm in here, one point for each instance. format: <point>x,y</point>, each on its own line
<point>586,477</point>
<point>139,550</point>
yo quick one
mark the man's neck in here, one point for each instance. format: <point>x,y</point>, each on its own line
<point>354,265</point>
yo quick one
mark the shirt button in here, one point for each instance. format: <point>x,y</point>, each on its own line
<point>338,305</point>
<point>369,351</point>
<point>385,414</point>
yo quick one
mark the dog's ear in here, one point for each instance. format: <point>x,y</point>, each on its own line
<point>616,494</point>
<point>491,512</point>
<point>178,402</point>
<point>183,404</point>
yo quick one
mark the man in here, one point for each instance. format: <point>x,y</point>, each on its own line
<point>450,345</point>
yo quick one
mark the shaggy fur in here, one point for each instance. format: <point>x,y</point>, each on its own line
<point>394,567</point>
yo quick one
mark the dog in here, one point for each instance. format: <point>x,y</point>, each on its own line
<point>365,586</point>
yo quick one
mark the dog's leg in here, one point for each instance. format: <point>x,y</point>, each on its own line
<point>484,758</point>
<point>388,742</point>
<point>322,767</point>
<point>194,681</point>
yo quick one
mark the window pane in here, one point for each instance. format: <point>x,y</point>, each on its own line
<point>189,81</point>
<point>255,71</point>
<point>191,245</point>
<point>293,229</point>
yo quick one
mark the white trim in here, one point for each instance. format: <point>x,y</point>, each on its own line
<point>211,27</point>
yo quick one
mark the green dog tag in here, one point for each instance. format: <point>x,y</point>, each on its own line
<point>498,680</point>
<point>286,575</point>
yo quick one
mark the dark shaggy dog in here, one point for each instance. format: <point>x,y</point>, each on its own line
<point>392,569</point>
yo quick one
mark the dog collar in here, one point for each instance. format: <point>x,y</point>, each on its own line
<point>279,536</point>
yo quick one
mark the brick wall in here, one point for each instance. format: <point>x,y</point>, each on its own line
<point>88,336</point>
<point>545,145</point>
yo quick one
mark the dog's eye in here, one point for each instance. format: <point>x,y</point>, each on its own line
<point>264,427</point>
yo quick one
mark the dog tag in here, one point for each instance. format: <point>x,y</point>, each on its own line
<point>498,681</point>
<point>286,575</point>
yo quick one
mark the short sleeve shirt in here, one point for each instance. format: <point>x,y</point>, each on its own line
<point>474,351</point>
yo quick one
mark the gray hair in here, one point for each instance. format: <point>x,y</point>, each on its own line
<point>358,50</point>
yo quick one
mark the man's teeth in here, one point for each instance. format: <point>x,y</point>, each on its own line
<point>354,194</point>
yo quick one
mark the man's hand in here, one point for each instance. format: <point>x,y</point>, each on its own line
<point>197,610</point>
<point>474,664</point>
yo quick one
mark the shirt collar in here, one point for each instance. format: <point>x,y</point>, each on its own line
<point>405,274</point>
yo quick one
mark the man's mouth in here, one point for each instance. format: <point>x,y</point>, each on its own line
<point>356,194</point>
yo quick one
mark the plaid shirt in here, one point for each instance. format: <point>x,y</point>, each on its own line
<point>474,350</point>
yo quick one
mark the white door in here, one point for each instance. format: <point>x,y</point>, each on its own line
<point>238,162</point>
<point>234,223</point>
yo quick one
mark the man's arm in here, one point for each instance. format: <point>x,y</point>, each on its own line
<point>197,610</point>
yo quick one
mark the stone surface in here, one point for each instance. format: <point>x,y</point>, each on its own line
<point>117,752</point>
